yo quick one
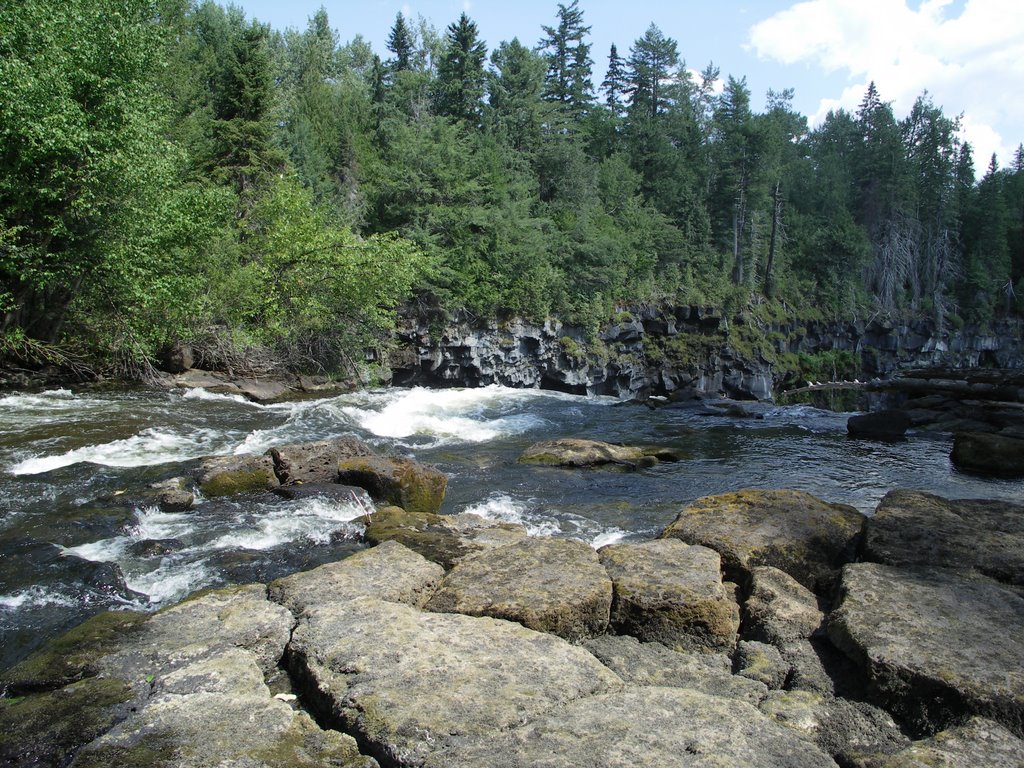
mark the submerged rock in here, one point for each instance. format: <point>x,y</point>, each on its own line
<point>231,475</point>
<point>406,483</point>
<point>936,644</point>
<point>918,528</point>
<point>551,585</point>
<point>988,454</point>
<point>575,452</point>
<point>672,593</point>
<point>806,537</point>
<point>642,726</point>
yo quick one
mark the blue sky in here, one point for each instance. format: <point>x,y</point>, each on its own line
<point>968,54</point>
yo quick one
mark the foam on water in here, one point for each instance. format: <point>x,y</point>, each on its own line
<point>36,597</point>
<point>449,415</point>
<point>154,524</point>
<point>171,581</point>
<point>102,551</point>
<point>154,445</point>
<point>205,394</point>
<point>315,520</point>
<point>504,509</point>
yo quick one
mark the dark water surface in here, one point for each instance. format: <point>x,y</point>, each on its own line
<point>71,535</point>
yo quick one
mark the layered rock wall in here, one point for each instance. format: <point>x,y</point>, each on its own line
<point>659,350</point>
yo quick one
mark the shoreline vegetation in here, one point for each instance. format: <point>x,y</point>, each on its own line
<point>175,173</point>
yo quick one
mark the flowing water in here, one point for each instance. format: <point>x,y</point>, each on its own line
<point>73,542</point>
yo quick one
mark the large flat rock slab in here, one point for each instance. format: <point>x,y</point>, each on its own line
<point>918,528</point>
<point>672,593</point>
<point>806,537</point>
<point>388,571</point>
<point>643,726</point>
<point>978,742</point>
<point>408,682</point>
<point>551,585</point>
<point>653,664</point>
<point>937,644</point>
<point>183,687</point>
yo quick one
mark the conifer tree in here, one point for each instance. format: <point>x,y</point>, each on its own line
<point>615,83</point>
<point>568,82</point>
<point>460,76</point>
<point>401,42</point>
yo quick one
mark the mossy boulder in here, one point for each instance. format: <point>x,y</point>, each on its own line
<point>672,593</point>
<point>233,475</point>
<point>406,483</point>
<point>74,655</point>
<point>808,538</point>
<point>986,454</point>
<point>551,585</point>
<point>42,729</point>
<point>978,742</point>
<point>575,452</point>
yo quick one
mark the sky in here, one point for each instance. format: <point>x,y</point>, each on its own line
<point>967,54</point>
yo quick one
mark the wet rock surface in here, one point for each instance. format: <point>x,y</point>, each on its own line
<point>315,462</point>
<point>233,475</point>
<point>806,537</point>
<point>988,454</point>
<point>403,482</point>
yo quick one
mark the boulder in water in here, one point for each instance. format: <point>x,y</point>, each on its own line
<point>315,462</point>
<point>987,454</point>
<point>575,452</point>
<point>230,475</point>
<point>406,483</point>
<point>888,424</point>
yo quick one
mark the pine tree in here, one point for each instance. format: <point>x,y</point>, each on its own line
<point>615,83</point>
<point>652,60</point>
<point>568,82</point>
<point>460,76</point>
<point>401,42</point>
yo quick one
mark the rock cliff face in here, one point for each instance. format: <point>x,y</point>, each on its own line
<point>662,350</point>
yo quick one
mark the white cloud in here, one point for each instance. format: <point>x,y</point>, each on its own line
<point>971,63</point>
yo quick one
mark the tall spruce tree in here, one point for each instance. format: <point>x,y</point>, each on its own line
<point>402,43</point>
<point>615,84</point>
<point>568,83</point>
<point>460,74</point>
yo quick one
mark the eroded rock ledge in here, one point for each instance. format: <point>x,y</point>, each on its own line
<point>500,649</point>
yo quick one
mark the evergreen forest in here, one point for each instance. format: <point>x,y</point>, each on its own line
<point>171,170</point>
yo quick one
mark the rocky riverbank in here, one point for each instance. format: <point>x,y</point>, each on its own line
<point>761,628</point>
<point>667,350</point>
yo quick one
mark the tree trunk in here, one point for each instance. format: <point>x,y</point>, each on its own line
<point>772,243</point>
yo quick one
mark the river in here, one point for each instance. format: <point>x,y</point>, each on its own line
<point>72,544</point>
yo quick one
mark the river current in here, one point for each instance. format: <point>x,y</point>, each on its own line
<point>73,544</point>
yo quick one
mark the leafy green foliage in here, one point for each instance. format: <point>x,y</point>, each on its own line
<point>170,170</point>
